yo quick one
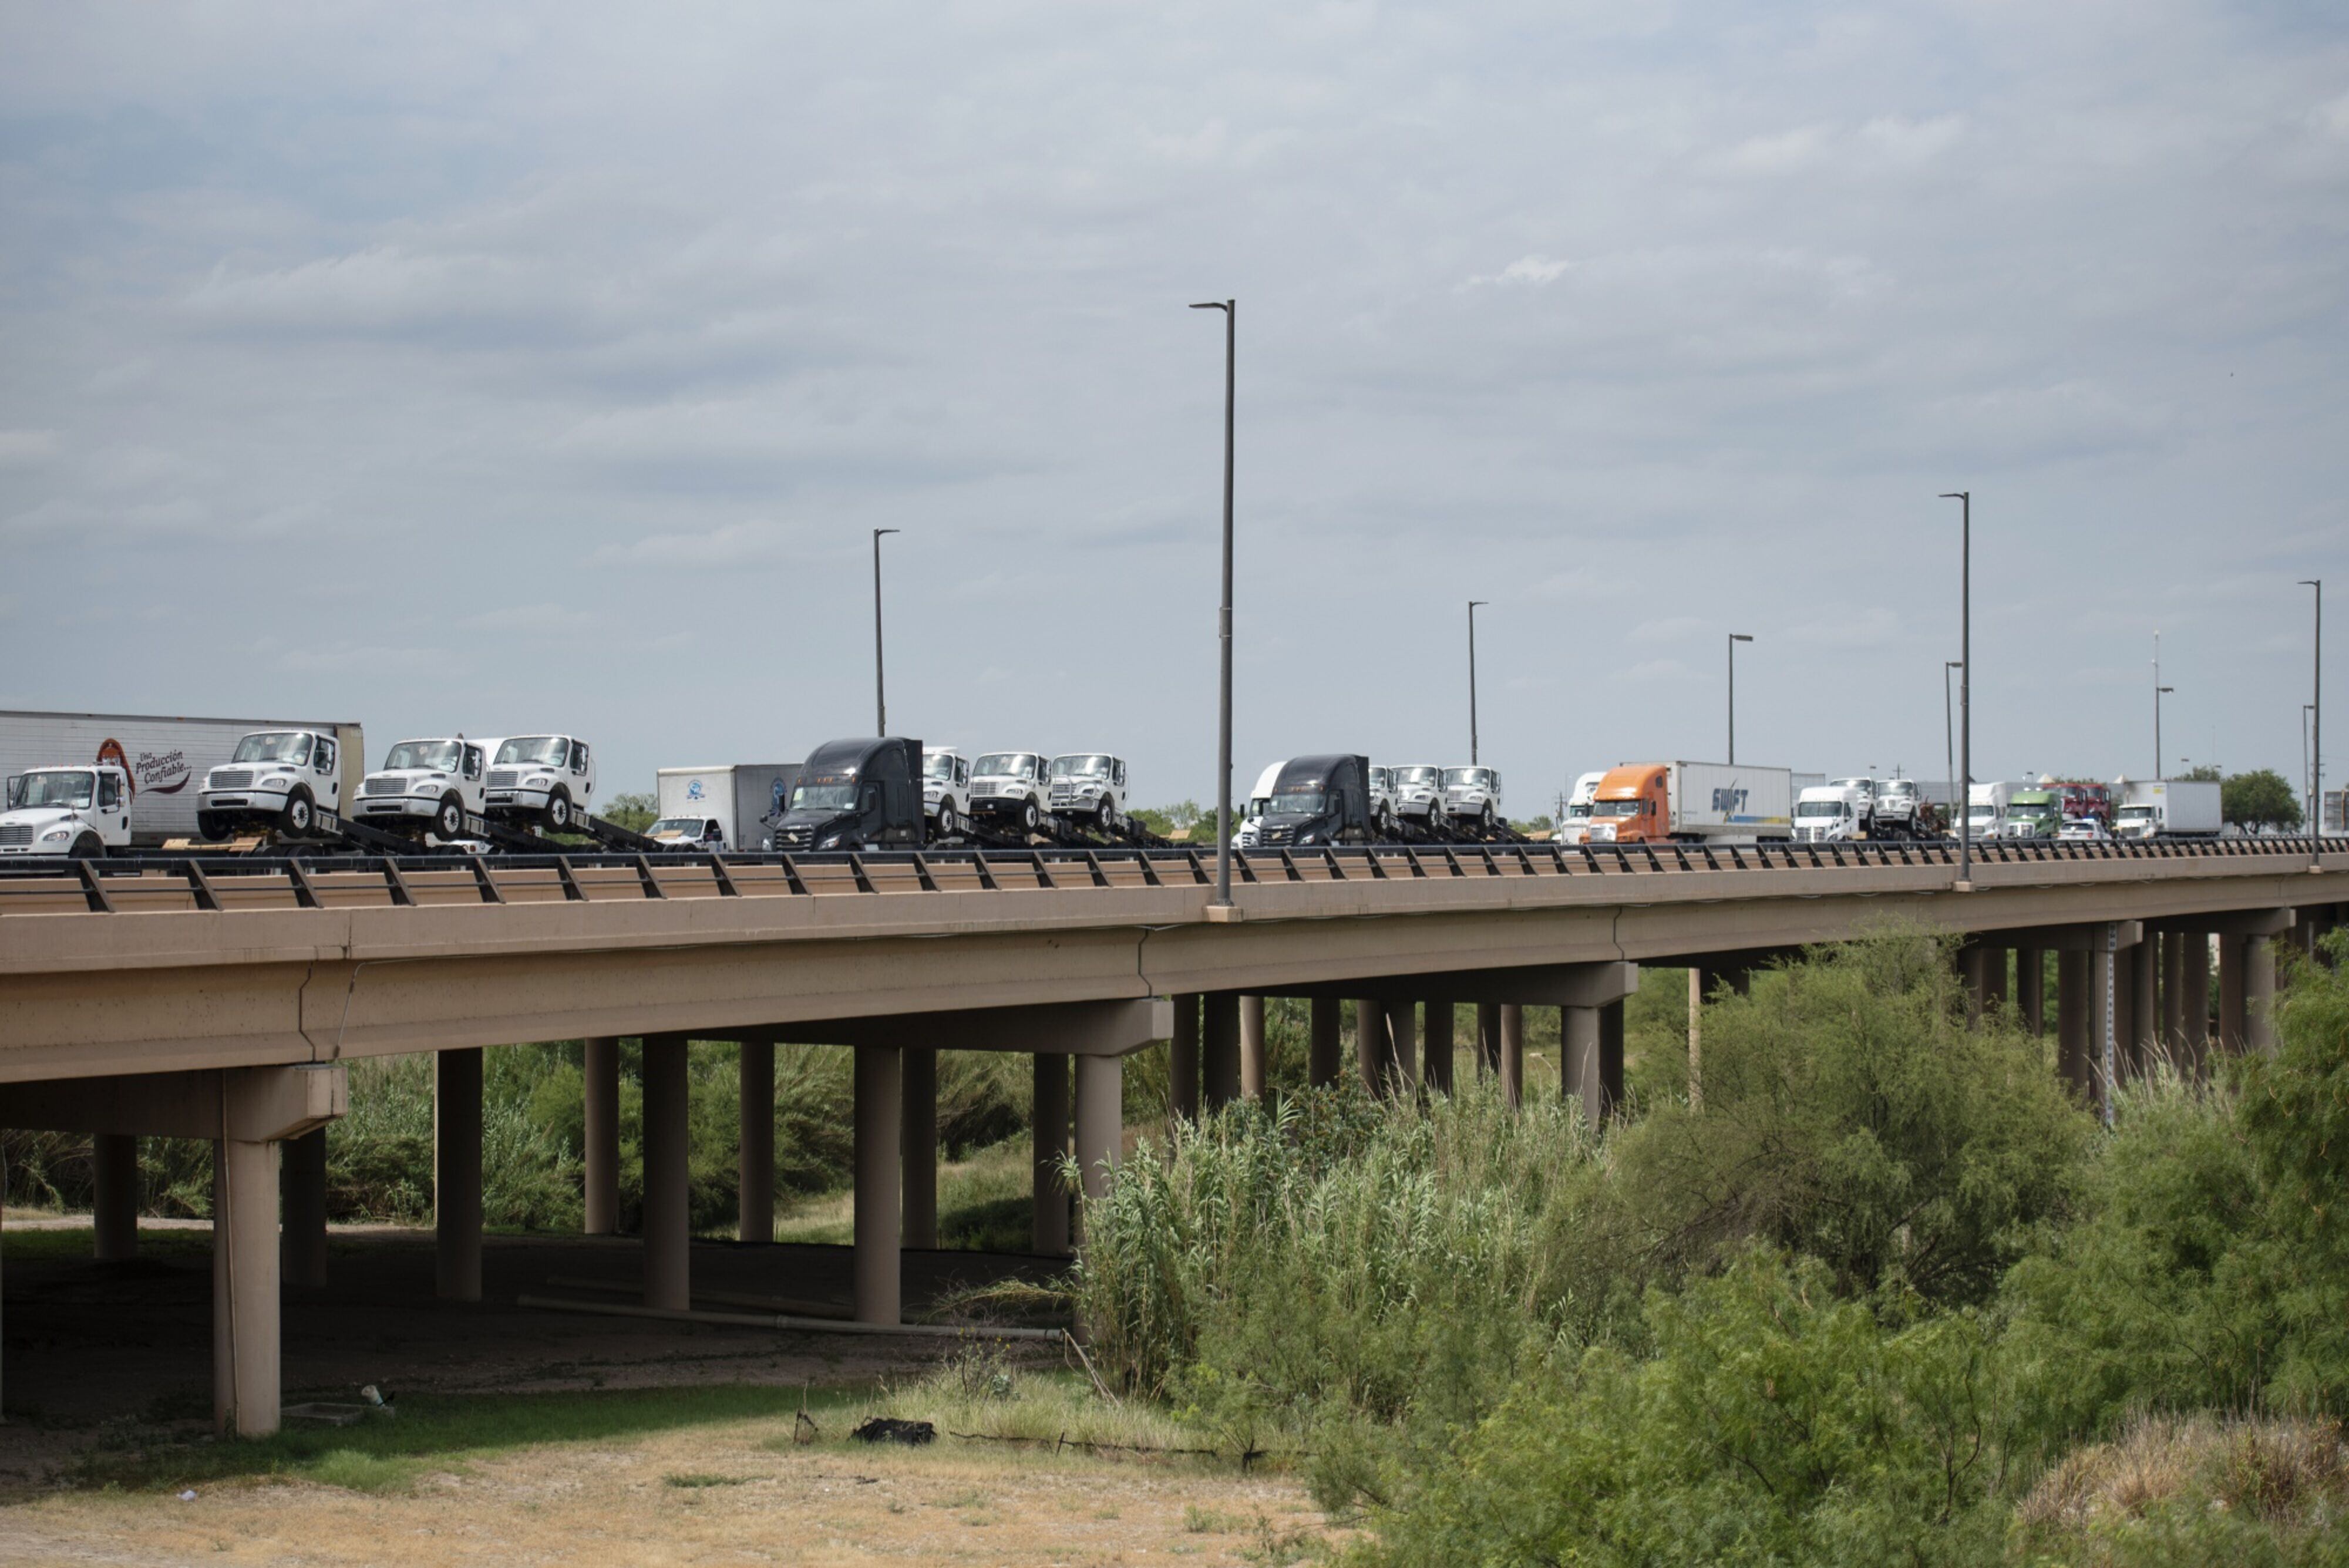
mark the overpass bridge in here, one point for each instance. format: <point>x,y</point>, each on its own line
<point>221,998</point>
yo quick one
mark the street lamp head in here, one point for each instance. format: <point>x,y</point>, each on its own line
<point>1957,495</point>
<point>878,532</point>
<point>1953,664</point>
<point>1739,637</point>
<point>1475,603</point>
<point>2166,690</point>
<point>1212,305</point>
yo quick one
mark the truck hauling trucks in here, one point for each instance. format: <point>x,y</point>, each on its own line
<point>1693,803</point>
<point>1419,793</point>
<point>1089,788</point>
<point>1317,800</point>
<point>166,762</point>
<point>1473,796</point>
<point>427,787</point>
<point>546,781</point>
<point>731,805</point>
<point>2166,808</point>
<point>274,779</point>
<point>1013,788</point>
<point>864,794</point>
<point>80,811</point>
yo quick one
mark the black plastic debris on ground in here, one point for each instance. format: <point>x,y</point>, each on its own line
<point>888,1429</point>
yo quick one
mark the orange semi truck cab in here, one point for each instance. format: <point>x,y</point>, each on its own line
<point>1630,805</point>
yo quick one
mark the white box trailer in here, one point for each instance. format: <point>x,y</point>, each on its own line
<point>744,800</point>
<point>2166,808</point>
<point>1716,800</point>
<point>167,757</point>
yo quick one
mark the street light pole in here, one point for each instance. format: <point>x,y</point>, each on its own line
<point>2158,693</point>
<point>2316,720</point>
<point>1965,500</point>
<point>1231,309</point>
<point>1471,678</point>
<point>1960,806</point>
<point>880,697</point>
<point>1734,638</point>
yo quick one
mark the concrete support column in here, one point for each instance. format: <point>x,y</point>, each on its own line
<point>602,1071</point>
<point>1994,978</point>
<point>1696,986</point>
<point>754,1206</point>
<point>1435,1049</point>
<point>2234,1034</point>
<point>920,1144</point>
<point>304,1244</point>
<point>1101,1122</point>
<point>1577,1054</point>
<point>245,1376</point>
<point>2259,994</point>
<point>1974,972</point>
<point>2144,1007</point>
<point>1049,1126</point>
<point>2072,1000</point>
<point>880,1116</point>
<point>2031,988</point>
<point>1220,1063</point>
<point>1513,1053</point>
<point>669,1197</point>
<point>1602,1101</point>
<point>1183,1060</point>
<point>2173,995</point>
<point>1325,1051</point>
<point>114,1197</point>
<point>1252,1048</point>
<point>1402,1039</point>
<point>2105,978</point>
<point>456,1175</point>
<point>1488,1039</point>
<point>1370,1044</point>
<point>2194,1001</point>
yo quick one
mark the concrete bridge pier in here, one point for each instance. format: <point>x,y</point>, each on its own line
<point>1100,1122</point>
<point>1220,1054</point>
<point>2194,999</point>
<point>669,1197</point>
<point>2172,1029</point>
<point>1183,1060</point>
<point>244,1113</point>
<point>457,1174</point>
<point>1325,1052</point>
<point>1048,1133</point>
<point>877,1265</point>
<point>1370,1048</point>
<point>2031,988</point>
<point>754,1204</point>
<point>601,1069</point>
<point>114,1197</point>
<point>918,1146</point>
<point>1591,1048</point>
<point>1435,1049</point>
<point>1488,1039</point>
<point>1402,1049</point>
<point>303,1241</point>
<point>1252,1048</point>
<point>2232,1035</point>
<point>2144,1008</point>
<point>1513,1053</point>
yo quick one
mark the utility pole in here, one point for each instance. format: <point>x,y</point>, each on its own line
<point>880,695</point>
<point>1472,678</point>
<point>1734,638</point>
<point>1960,804</point>
<point>1231,309</point>
<point>2316,720</point>
<point>1965,500</point>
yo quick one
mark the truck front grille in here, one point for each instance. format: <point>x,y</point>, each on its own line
<point>232,778</point>
<point>502,778</point>
<point>16,835</point>
<point>387,786</point>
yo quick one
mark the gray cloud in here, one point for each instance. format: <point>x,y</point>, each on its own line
<point>458,332</point>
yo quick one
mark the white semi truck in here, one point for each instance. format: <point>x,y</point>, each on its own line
<point>946,790</point>
<point>1575,826</point>
<point>166,762</point>
<point>1986,806</point>
<point>1472,795</point>
<point>1089,788</point>
<point>427,787</point>
<point>1014,787</point>
<point>733,805</point>
<point>1826,813</point>
<point>544,780</point>
<point>2166,808</point>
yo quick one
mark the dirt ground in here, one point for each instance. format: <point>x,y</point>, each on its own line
<point>714,1495</point>
<point>87,1348</point>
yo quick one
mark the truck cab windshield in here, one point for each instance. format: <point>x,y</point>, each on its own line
<point>1419,775</point>
<point>938,765</point>
<point>65,787</point>
<point>1467,778</point>
<point>1006,764</point>
<point>1616,808</point>
<point>437,756</point>
<point>1820,808</point>
<point>683,827</point>
<point>823,797</point>
<point>534,751</point>
<point>1579,809</point>
<point>273,747</point>
<point>2137,814</point>
<point>1299,802</point>
<point>1081,767</point>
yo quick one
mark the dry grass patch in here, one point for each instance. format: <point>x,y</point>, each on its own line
<point>2291,1473</point>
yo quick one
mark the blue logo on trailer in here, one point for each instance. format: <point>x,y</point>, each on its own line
<point>693,790</point>
<point>1729,802</point>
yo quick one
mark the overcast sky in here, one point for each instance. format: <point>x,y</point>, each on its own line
<point>521,368</point>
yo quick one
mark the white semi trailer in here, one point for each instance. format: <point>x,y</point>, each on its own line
<point>2166,808</point>
<point>731,805</point>
<point>167,762</point>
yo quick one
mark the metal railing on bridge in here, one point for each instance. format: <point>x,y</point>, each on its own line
<point>165,883</point>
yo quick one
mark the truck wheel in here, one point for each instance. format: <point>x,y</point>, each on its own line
<point>297,811</point>
<point>449,822</point>
<point>558,811</point>
<point>1107,814</point>
<point>1487,817</point>
<point>946,819</point>
<point>1032,816</point>
<point>87,847</point>
<point>211,825</point>
<point>1436,816</point>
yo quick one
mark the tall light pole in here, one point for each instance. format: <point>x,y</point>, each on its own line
<point>1472,605</point>
<point>2158,693</point>
<point>1960,806</point>
<point>1231,309</point>
<point>880,696</point>
<point>2316,717</point>
<point>1734,638</point>
<point>1965,500</point>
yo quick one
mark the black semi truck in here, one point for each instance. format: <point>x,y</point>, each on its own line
<point>1319,800</point>
<point>857,794</point>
